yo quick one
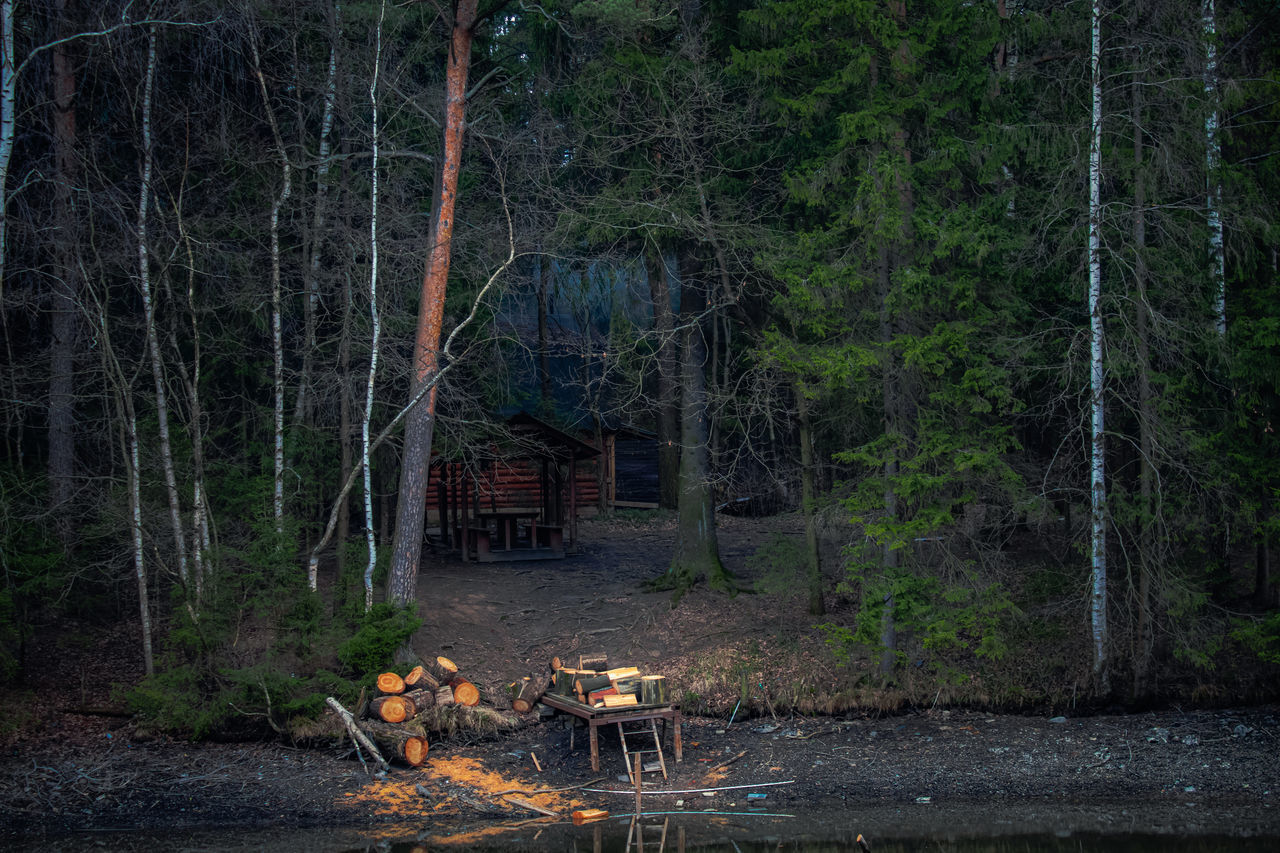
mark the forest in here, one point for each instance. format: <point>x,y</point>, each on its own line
<point>986,291</point>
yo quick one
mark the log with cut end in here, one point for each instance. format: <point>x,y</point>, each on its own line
<point>393,709</point>
<point>464,692</point>
<point>444,696</point>
<point>390,682</point>
<point>585,685</point>
<point>421,700</point>
<point>419,679</point>
<point>587,815</point>
<point>617,701</point>
<point>628,685</point>
<point>622,672</point>
<point>442,669</point>
<point>555,664</point>
<point>406,746</point>
<point>531,690</point>
<point>599,661</point>
<point>653,690</point>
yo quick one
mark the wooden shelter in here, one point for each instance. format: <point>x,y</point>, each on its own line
<point>518,497</point>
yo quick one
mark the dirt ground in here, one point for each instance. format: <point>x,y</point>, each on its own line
<point>931,770</point>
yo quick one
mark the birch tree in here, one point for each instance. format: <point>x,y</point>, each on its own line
<point>375,321</point>
<point>1212,169</point>
<point>1097,444</point>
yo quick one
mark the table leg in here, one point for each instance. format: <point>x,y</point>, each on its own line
<point>676,723</point>
<point>595,745</point>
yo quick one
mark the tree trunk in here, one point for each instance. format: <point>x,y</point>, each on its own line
<point>697,551</point>
<point>311,305</point>
<point>808,497</point>
<point>411,508</point>
<point>1147,542</point>
<point>1213,174</point>
<point>668,395</point>
<point>1097,483</point>
<point>66,283</point>
<point>545,404</point>
<point>149,312</point>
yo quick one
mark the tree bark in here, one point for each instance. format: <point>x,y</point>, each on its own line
<point>697,550</point>
<point>668,395</point>
<point>1097,480</point>
<point>66,283</point>
<point>1212,169</point>
<point>420,422</point>
<point>808,497</point>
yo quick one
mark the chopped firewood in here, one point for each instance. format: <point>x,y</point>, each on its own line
<point>598,695</point>
<point>419,678</point>
<point>593,682</point>
<point>444,696</point>
<point>622,672</point>
<point>393,709</point>
<point>587,815</point>
<point>389,682</point>
<point>555,664</point>
<point>598,661</point>
<point>628,685</point>
<point>620,701</point>
<point>653,690</point>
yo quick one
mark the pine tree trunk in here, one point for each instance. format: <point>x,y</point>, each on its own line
<point>1213,176</point>
<point>414,468</point>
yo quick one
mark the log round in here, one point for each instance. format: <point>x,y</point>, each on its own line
<point>653,690</point>
<point>419,679</point>
<point>399,744</point>
<point>599,661</point>
<point>464,692</point>
<point>531,690</point>
<point>443,669</point>
<point>393,709</point>
<point>389,682</point>
<point>444,696</point>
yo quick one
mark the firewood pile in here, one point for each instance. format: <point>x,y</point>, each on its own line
<point>394,714</point>
<point>591,683</point>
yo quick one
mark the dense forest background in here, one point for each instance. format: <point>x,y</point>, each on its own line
<point>986,290</point>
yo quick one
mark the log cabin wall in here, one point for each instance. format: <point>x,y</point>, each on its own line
<point>509,483</point>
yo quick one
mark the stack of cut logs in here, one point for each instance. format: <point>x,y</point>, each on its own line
<point>434,684</point>
<point>591,683</point>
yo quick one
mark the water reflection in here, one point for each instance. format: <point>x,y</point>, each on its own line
<point>1057,828</point>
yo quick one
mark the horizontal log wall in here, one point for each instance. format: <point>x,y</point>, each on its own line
<point>515,483</point>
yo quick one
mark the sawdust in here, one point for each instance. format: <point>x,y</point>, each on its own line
<point>453,785</point>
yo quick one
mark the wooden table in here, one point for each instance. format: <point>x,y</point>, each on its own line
<point>596,717</point>
<point>507,520</point>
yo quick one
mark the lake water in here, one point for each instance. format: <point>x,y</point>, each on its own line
<point>969,828</point>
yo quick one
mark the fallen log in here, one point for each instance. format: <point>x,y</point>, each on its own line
<point>531,690</point>
<point>407,746</point>
<point>444,696</point>
<point>421,700</point>
<point>359,737</point>
<point>533,807</point>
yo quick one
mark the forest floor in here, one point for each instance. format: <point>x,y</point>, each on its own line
<point>914,772</point>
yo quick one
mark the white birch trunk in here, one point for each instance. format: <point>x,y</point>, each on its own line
<point>1098,490</point>
<point>8,122</point>
<point>277,337</point>
<point>317,221</point>
<point>376,322</point>
<point>149,312</point>
<point>135,526</point>
<point>1213,176</point>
